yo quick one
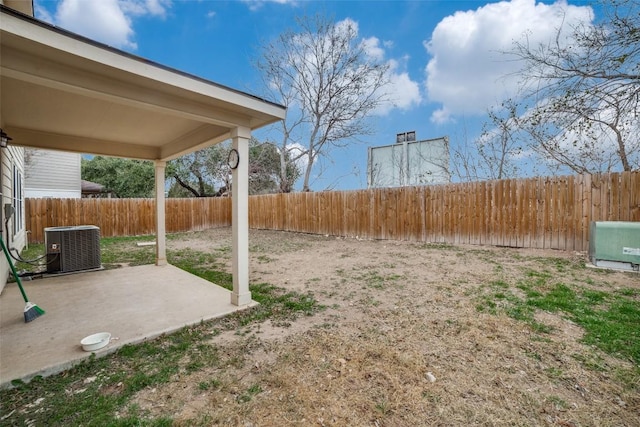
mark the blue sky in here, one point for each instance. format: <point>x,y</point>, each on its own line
<point>445,56</point>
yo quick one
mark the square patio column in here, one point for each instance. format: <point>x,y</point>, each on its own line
<point>240,218</point>
<point>161,235</point>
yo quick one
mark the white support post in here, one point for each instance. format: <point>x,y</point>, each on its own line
<point>240,218</point>
<point>161,236</point>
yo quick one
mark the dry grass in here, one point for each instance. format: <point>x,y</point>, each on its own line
<point>400,311</point>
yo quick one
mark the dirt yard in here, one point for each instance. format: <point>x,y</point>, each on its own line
<point>406,339</point>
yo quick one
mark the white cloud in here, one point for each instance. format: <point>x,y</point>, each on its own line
<point>441,116</point>
<point>372,48</point>
<point>255,5</point>
<point>42,13</point>
<point>467,71</point>
<point>347,25</point>
<point>298,150</point>
<point>145,7</point>
<point>158,7</point>
<point>403,93</point>
<point>103,21</point>
<point>106,21</point>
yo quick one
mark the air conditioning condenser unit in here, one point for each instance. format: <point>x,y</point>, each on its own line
<point>71,249</point>
<point>615,244</point>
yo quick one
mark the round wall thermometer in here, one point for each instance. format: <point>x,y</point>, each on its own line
<point>233,159</point>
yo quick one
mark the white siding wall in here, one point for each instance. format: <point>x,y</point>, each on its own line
<point>12,163</point>
<point>53,174</point>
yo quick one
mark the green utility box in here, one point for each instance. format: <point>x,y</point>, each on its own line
<point>615,244</point>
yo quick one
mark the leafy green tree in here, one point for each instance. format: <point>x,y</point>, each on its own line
<point>205,173</point>
<point>264,168</point>
<point>125,177</point>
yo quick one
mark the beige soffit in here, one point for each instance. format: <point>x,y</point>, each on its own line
<point>62,91</point>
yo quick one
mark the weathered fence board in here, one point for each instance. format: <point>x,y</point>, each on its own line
<point>553,212</point>
<point>125,217</point>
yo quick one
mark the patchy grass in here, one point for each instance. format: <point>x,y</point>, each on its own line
<point>33,252</point>
<point>94,392</point>
<point>115,251</point>
<point>611,320</point>
<point>98,391</point>
<point>275,303</point>
<point>375,279</point>
<point>440,246</point>
<point>416,334</point>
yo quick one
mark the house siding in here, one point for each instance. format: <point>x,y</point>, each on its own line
<point>12,163</point>
<point>52,174</point>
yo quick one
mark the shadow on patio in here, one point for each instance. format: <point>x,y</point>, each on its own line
<point>132,303</point>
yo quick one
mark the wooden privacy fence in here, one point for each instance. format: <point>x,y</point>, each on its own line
<point>553,212</point>
<point>125,217</point>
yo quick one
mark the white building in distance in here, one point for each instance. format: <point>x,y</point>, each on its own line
<point>409,162</point>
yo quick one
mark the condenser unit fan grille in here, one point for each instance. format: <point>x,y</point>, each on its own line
<point>72,248</point>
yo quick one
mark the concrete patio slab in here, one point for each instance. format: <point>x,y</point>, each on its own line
<point>132,303</point>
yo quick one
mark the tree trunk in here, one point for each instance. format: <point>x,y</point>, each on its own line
<point>285,185</point>
<point>186,186</point>
<point>307,175</point>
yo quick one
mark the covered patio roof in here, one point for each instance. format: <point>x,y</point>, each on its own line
<point>61,91</point>
<point>65,92</point>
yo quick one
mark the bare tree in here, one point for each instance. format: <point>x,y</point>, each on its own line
<point>497,152</point>
<point>499,147</point>
<point>584,89</point>
<point>329,84</point>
